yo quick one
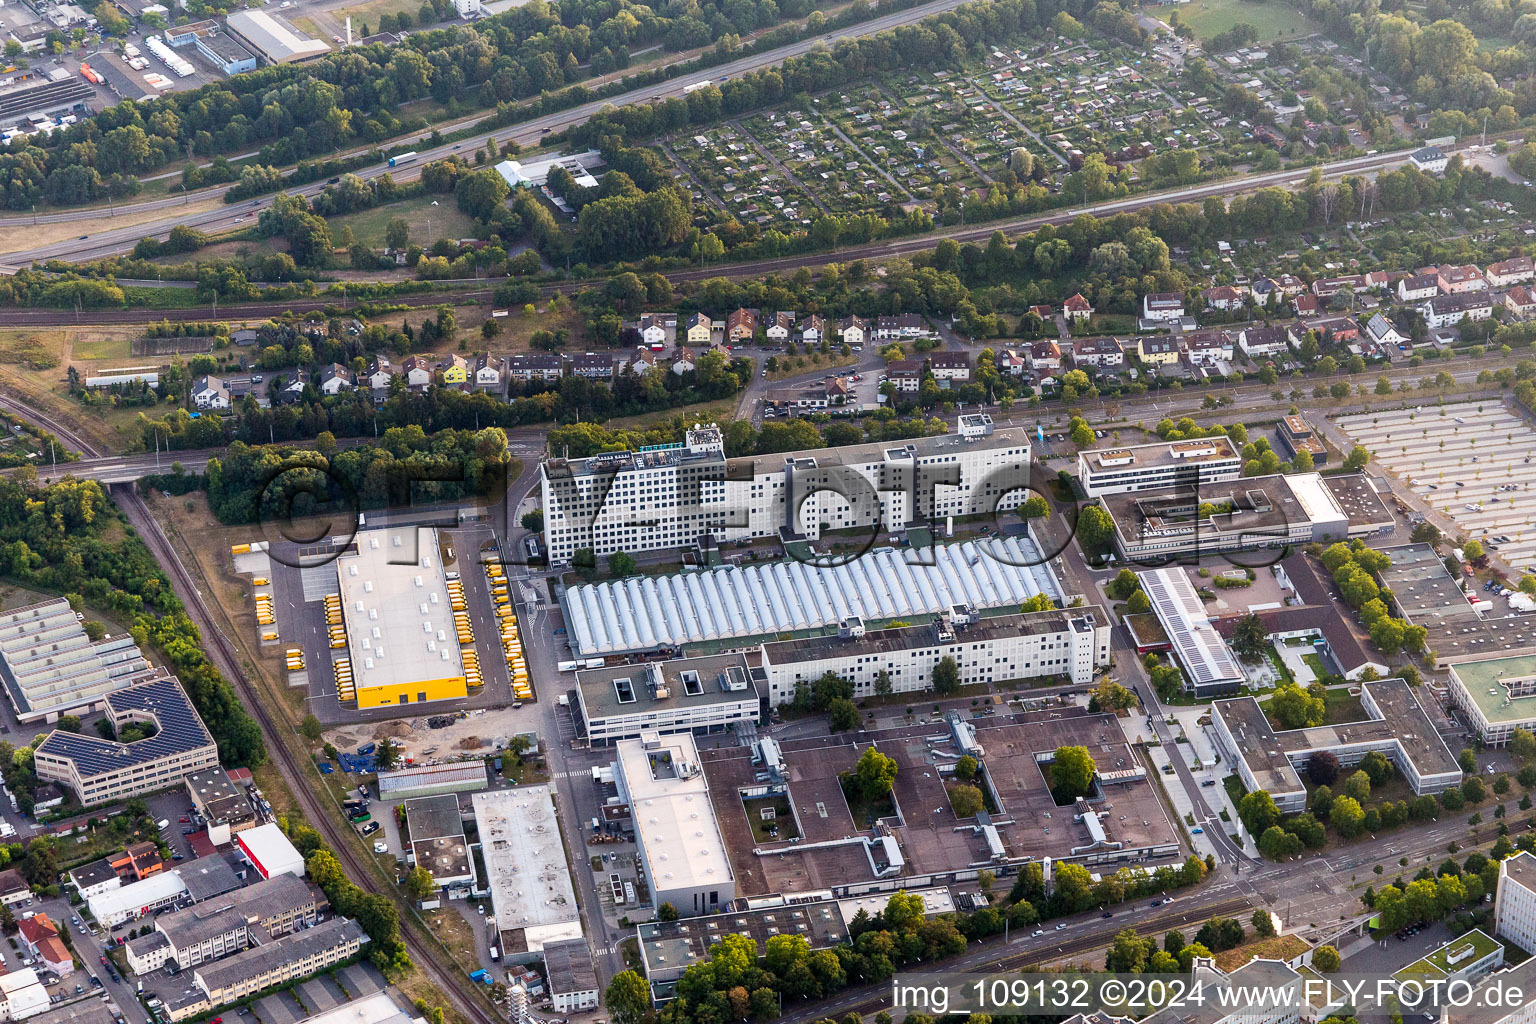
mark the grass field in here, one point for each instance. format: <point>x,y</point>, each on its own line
<point>1273,18</point>
<point>102,347</point>
<point>428,223</point>
<point>371,10</point>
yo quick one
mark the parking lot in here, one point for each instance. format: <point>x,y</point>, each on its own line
<point>1471,461</point>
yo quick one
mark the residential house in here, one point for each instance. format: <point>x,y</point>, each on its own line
<point>641,362</point>
<point>955,364</point>
<point>796,398</point>
<point>1382,331</point>
<point>1162,306</point>
<point>211,394</point>
<point>1512,271</point>
<point>1044,358</point>
<point>1382,278</point>
<point>1327,287</point>
<point>14,889</point>
<point>1454,280</point>
<point>335,379</point>
<point>1416,288</point>
<point>698,330</point>
<point>137,862</point>
<point>418,371</point>
<point>1207,348</point>
<point>1224,297</point>
<point>657,329</point>
<point>778,327</point>
<point>1158,350</point>
<point>853,330</point>
<point>455,371</point>
<point>40,937</point>
<point>1008,361</point>
<point>1519,301</point>
<point>1077,308</point>
<point>1101,353</point>
<point>682,361</point>
<point>379,373</point>
<point>1430,160</point>
<point>812,330</point>
<point>1045,313</point>
<point>906,374</point>
<point>490,373</point>
<point>1448,310</point>
<point>837,391</point>
<point>1264,342</point>
<point>592,365</point>
<point>1338,330</point>
<point>531,366</point>
<point>905,327</point>
<point>1307,304</point>
<point>740,326</point>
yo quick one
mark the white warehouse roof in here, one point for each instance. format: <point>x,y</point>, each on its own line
<point>640,614</point>
<point>148,892</point>
<point>266,847</point>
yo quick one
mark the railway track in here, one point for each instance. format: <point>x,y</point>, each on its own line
<point>875,998</point>
<point>280,743</point>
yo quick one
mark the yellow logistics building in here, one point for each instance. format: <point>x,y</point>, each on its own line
<point>402,640</point>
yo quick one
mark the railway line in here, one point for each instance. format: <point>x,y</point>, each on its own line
<point>279,741</point>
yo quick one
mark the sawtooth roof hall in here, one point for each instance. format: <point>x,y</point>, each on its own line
<point>647,613</point>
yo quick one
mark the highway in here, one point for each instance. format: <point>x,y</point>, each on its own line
<point>528,134</point>
<point>119,240</point>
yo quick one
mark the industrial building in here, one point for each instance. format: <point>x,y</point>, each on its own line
<point>1246,514</point>
<point>399,620</point>
<point>226,807</point>
<point>1001,648</point>
<point>100,771</point>
<point>112,906</point>
<point>530,881</point>
<point>676,832</point>
<point>222,50</point>
<point>765,600</point>
<point>437,840</point>
<point>429,780</point>
<point>290,958</point>
<point>1209,666</point>
<point>273,40</point>
<point>1296,435</point>
<point>535,173</point>
<point>705,694</point>
<point>671,947</point>
<point>1163,464</point>
<point>572,978</point>
<point>269,851</point>
<point>51,667</point>
<point>1271,760</point>
<point>22,995</point>
<point>1497,696</point>
<point>217,928</point>
<point>672,496</point>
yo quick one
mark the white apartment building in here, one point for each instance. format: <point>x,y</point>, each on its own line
<point>708,694</point>
<point>1163,464</point>
<point>677,834</point>
<point>1514,901</point>
<point>670,497</point>
<point>1448,310</point>
<point>1497,695</point>
<point>1072,643</point>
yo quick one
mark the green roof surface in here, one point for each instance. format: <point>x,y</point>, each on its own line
<point>1479,677</point>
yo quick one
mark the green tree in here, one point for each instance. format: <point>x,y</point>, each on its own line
<point>1356,459</point>
<point>1296,708</point>
<point>1346,816</point>
<point>1326,959</point>
<point>965,768</point>
<point>946,676</point>
<point>667,912</point>
<point>627,998</point>
<point>842,715</point>
<point>310,728</point>
<point>1072,773</point>
<point>397,233</point>
<point>874,774</point>
<point>1035,507</point>
<point>1523,744</point>
<point>419,885</point>
<point>533,521</point>
<point>621,563</point>
<point>1263,923</point>
<point>965,800</point>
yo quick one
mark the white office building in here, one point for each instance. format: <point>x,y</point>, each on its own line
<point>671,496</point>
<point>707,694</point>
<point>529,877</point>
<point>1208,663</point>
<point>675,827</point>
<point>1162,464</point>
<point>1514,902</point>
<point>1072,643</point>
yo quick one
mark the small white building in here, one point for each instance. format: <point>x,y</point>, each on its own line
<point>1429,160</point>
<point>1162,306</point>
<point>269,851</point>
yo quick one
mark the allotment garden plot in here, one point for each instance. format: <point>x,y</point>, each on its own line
<point>1472,461</point>
<point>1107,99</point>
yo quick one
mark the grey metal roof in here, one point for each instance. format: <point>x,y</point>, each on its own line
<point>639,614</point>
<point>568,965</point>
<point>261,960</point>
<point>181,730</point>
<point>208,877</point>
<point>268,898</point>
<point>434,817</point>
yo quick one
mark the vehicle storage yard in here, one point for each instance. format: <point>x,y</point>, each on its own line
<point>1470,461</point>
